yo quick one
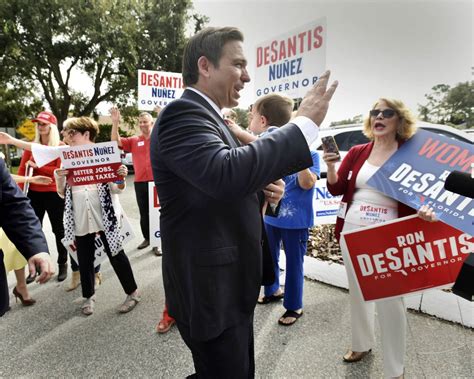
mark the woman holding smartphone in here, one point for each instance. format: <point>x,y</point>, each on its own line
<point>389,124</point>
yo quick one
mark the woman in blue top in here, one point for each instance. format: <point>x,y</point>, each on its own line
<point>295,214</point>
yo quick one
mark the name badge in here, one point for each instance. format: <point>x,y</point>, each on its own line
<point>341,213</point>
<point>141,143</point>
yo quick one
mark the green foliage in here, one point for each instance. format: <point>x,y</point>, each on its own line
<point>17,105</point>
<point>450,105</point>
<point>46,40</point>
<point>105,131</point>
<point>242,117</point>
<point>354,120</point>
<point>129,115</point>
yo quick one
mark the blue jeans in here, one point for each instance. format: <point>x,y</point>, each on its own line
<point>295,244</point>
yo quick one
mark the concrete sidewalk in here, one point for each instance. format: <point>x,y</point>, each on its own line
<point>52,339</point>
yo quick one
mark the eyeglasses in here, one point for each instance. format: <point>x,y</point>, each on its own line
<point>42,124</point>
<point>70,132</point>
<point>386,113</point>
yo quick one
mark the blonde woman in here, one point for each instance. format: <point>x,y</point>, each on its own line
<point>388,125</point>
<point>44,198</point>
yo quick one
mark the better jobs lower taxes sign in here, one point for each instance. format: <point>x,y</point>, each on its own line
<point>158,88</point>
<point>92,163</point>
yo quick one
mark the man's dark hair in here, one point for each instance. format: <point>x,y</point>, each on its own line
<point>208,43</point>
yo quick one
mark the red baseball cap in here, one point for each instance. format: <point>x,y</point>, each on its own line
<point>46,117</point>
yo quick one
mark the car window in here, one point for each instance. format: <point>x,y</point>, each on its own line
<point>449,135</point>
<point>342,140</point>
<point>357,138</point>
<point>346,140</point>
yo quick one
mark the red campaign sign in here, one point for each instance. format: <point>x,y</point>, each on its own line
<point>405,256</point>
<point>156,201</point>
<point>93,174</point>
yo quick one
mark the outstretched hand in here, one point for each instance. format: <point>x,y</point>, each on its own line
<point>115,115</point>
<point>5,138</point>
<point>41,261</point>
<point>316,102</point>
<point>40,180</point>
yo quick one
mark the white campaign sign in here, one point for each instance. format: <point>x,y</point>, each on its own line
<point>126,232</point>
<point>325,205</point>
<point>95,154</point>
<point>290,63</point>
<point>158,88</point>
<point>154,212</point>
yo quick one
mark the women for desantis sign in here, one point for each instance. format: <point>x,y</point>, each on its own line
<point>405,256</point>
<point>291,62</point>
<point>416,173</point>
<point>93,163</point>
<point>158,88</point>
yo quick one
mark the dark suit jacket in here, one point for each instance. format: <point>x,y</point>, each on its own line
<point>18,219</point>
<point>211,224</point>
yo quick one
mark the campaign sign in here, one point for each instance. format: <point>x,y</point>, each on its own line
<point>154,214</point>
<point>158,88</point>
<point>416,173</point>
<point>93,163</point>
<point>325,205</point>
<point>126,233</point>
<point>291,62</point>
<point>405,256</point>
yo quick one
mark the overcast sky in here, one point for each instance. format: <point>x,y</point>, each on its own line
<point>389,48</point>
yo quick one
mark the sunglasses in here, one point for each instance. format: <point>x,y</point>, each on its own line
<point>42,124</point>
<point>386,113</point>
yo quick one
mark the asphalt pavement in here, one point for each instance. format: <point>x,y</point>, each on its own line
<point>52,339</point>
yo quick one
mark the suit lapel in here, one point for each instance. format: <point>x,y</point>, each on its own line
<point>229,136</point>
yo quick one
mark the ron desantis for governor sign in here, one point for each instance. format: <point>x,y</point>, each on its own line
<point>416,173</point>
<point>405,256</point>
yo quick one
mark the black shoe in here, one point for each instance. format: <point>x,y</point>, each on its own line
<point>62,274</point>
<point>144,244</point>
<point>30,279</point>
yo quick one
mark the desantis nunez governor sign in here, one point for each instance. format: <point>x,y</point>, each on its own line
<point>291,62</point>
<point>158,88</point>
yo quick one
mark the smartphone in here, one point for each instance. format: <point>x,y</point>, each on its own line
<point>330,145</point>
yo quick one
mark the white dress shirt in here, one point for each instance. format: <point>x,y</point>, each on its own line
<point>87,210</point>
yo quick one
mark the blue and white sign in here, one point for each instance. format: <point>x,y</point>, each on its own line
<point>325,205</point>
<point>416,173</point>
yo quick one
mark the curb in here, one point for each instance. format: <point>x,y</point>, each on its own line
<point>435,302</point>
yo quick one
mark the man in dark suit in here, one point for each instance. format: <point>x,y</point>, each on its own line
<point>23,228</point>
<point>207,183</point>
